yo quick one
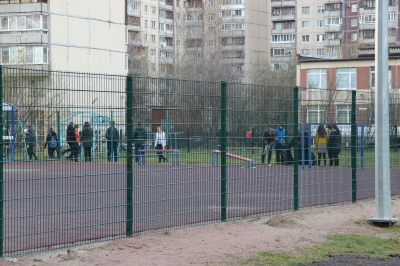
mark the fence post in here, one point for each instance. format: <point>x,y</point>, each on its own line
<point>223,151</point>
<point>353,148</point>
<point>129,168</point>
<point>295,148</point>
<point>1,164</point>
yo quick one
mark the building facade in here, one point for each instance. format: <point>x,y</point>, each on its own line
<point>67,35</point>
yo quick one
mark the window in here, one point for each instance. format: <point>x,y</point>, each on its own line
<point>153,10</point>
<point>24,55</point>
<point>354,8</point>
<point>320,37</point>
<point>178,3</point>
<point>153,38</point>
<point>145,23</point>
<point>238,2</point>
<point>126,62</point>
<point>283,38</point>
<point>320,51</point>
<point>292,11</point>
<point>369,34</point>
<point>392,17</point>
<point>346,78</point>
<point>369,19</point>
<point>343,113</point>
<point>178,43</point>
<point>332,50</point>
<point>278,52</point>
<point>153,67</point>
<point>334,21</point>
<point>292,25</point>
<point>305,24</point>
<point>333,7</point>
<point>133,6</point>
<point>22,23</point>
<point>152,52</point>
<point>316,78</point>
<point>211,43</point>
<point>320,9</point>
<point>354,36</point>
<point>316,114</point>
<point>354,22</point>
<point>305,51</point>
<point>305,38</point>
<point>372,76</point>
<point>305,10</point>
<point>211,16</point>
<point>279,25</point>
<point>145,9</point>
<point>369,3</point>
<point>146,37</point>
<point>320,23</point>
<point>153,24</point>
<point>211,2</point>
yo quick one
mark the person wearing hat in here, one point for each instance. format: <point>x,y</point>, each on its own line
<point>30,140</point>
<point>139,139</point>
<point>112,137</point>
<point>87,141</point>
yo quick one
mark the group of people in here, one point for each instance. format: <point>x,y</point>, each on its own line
<point>327,141</point>
<point>140,138</point>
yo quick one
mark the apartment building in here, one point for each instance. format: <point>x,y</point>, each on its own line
<point>64,35</point>
<point>165,33</point>
<point>328,28</point>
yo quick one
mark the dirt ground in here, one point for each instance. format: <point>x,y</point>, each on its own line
<point>222,243</point>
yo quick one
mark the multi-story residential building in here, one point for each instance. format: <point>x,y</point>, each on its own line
<point>166,33</point>
<point>328,28</point>
<point>64,35</point>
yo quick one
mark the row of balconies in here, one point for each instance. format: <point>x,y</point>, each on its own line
<point>278,3</point>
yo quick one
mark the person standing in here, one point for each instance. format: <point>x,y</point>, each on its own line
<point>280,144</point>
<point>334,144</point>
<point>70,132</point>
<point>30,140</point>
<point>76,145</point>
<point>329,130</point>
<point>112,137</point>
<point>139,139</point>
<point>268,143</point>
<point>160,143</point>
<point>87,141</point>
<point>321,139</point>
<point>51,143</point>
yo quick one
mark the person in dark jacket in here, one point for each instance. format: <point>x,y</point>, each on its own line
<point>30,140</point>
<point>334,145</point>
<point>139,139</point>
<point>70,132</point>
<point>49,144</point>
<point>306,145</point>
<point>87,141</point>
<point>112,137</point>
<point>268,144</point>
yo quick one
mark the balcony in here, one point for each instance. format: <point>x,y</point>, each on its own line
<point>25,8</point>
<point>333,13</point>
<point>37,38</point>
<point>134,42</point>
<point>334,42</point>
<point>279,3</point>
<point>283,17</point>
<point>332,1</point>
<point>134,28</point>
<point>367,26</point>
<point>283,31</point>
<point>333,27</point>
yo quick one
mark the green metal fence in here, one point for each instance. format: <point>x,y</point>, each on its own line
<point>213,171</point>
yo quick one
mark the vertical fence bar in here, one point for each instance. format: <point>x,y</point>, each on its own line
<point>59,136</point>
<point>1,165</point>
<point>295,148</point>
<point>353,148</point>
<point>223,151</point>
<point>129,156</point>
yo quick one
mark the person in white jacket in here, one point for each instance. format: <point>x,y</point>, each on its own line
<point>160,143</point>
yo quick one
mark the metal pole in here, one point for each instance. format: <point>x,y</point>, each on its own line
<point>353,148</point>
<point>223,151</point>
<point>382,151</point>
<point>296,149</point>
<point>1,165</point>
<point>129,156</point>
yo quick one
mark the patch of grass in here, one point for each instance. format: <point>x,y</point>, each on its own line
<point>340,244</point>
<point>37,260</point>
